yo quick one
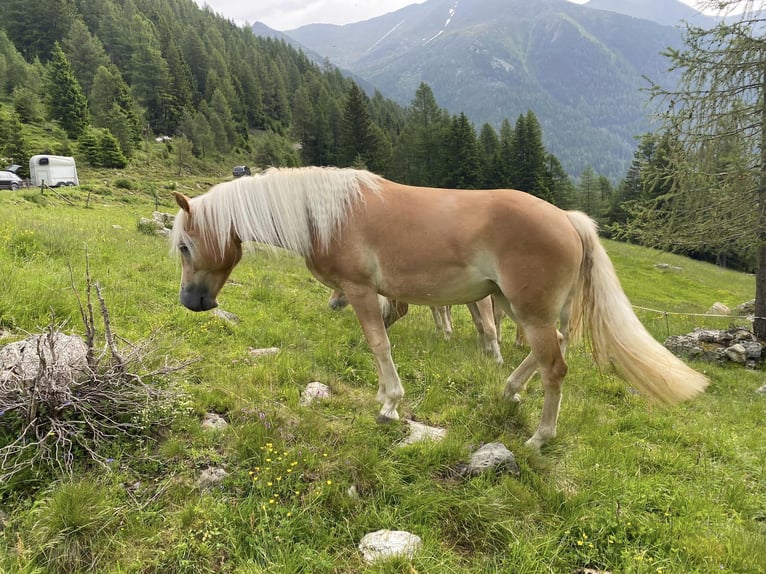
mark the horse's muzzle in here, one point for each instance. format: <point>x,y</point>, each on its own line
<point>197,299</point>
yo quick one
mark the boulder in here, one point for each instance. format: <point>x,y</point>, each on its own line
<point>315,391</point>
<point>385,544</point>
<point>492,456</point>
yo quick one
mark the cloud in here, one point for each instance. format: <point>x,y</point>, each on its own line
<point>290,14</point>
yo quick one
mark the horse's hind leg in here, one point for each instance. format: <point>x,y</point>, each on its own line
<point>390,391</point>
<point>546,352</point>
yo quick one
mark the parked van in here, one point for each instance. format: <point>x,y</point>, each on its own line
<point>53,170</point>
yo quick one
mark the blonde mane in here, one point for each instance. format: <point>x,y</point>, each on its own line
<point>282,207</point>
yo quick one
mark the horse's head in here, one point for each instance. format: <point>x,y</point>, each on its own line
<point>205,263</point>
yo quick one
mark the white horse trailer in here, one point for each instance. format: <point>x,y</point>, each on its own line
<point>53,170</point>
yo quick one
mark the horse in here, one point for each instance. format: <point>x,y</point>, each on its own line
<point>484,316</point>
<point>366,235</point>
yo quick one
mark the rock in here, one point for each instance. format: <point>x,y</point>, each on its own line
<point>719,309</point>
<point>492,456</point>
<point>420,432</point>
<point>761,389</point>
<point>20,361</point>
<point>737,344</point>
<point>226,316</point>
<point>745,309</point>
<point>214,422</point>
<point>313,392</point>
<point>385,544</point>
<point>263,352</point>
<point>737,353</point>
<point>210,477</point>
<point>668,266</point>
<point>684,346</point>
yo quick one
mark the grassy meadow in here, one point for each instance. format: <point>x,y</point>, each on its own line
<point>623,488</point>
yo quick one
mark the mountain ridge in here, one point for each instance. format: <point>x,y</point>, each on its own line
<point>580,70</point>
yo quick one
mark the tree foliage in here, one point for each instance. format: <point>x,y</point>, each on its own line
<point>700,187</point>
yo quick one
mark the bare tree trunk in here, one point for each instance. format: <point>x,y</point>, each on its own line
<point>759,323</point>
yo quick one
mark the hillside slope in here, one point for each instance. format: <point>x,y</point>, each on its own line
<point>580,70</point>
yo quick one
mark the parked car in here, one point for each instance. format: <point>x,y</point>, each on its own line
<point>241,170</point>
<point>9,180</point>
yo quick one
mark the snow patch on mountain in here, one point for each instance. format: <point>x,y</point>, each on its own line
<point>451,13</point>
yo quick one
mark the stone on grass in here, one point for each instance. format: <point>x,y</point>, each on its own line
<point>264,352</point>
<point>385,544</point>
<point>314,392</point>
<point>420,432</point>
<point>492,456</point>
<point>210,477</point>
<point>761,390</point>
<point>226,316</point>
<point>20,361</point>
<point>719,308</point>
<point>214,422</point>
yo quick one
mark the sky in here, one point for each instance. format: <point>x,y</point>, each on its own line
<point>290,14</point>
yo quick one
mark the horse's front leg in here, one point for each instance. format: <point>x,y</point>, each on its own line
<point>364,301</point>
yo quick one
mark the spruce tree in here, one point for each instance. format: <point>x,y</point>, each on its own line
<point>65,99</point>
<point>111,154</point>
<point>463,159</point>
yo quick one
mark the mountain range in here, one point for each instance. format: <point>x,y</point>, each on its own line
<point>581,69</point>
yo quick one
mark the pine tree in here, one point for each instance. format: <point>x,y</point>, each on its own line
<point>419,153</point>
<point>112,107</point>
<point>111,154</point>
<point>357,139</point>
<point>529,157</point>
<point>489,145</point>
<point>65,100</point>
<point>463,167</point>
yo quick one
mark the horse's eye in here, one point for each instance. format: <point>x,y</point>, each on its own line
<point>184,249</point>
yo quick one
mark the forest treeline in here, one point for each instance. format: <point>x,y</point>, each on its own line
<point>112,74</point>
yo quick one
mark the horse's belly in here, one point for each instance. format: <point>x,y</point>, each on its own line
<point>438,288</point>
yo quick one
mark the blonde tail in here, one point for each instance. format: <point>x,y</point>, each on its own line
<point>617,336</point>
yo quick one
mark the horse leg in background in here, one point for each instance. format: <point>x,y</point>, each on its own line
<point>365,303</point>
<point>391,310</point>
<point>337,300</point>
<point>483,317</point>
<point>518,340</point>
<point>443,320</point>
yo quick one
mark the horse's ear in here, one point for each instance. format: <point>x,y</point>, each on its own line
<point>182,201</point>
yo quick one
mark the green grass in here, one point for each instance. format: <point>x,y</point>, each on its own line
<point>623,488</point>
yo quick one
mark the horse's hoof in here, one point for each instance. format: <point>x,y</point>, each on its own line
<point>512,397</point>
<point>535,444</point>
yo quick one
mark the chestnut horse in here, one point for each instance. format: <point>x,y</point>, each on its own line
<point>366,235</point>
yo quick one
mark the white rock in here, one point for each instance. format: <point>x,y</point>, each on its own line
<point>420,432</point>
<point>263,352</point>
<point>737,353</point>
<point>214,422</point>
<point>384,544</point>
<point>210,477</point>
<point>313,392</point>
<point>719,309</point>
